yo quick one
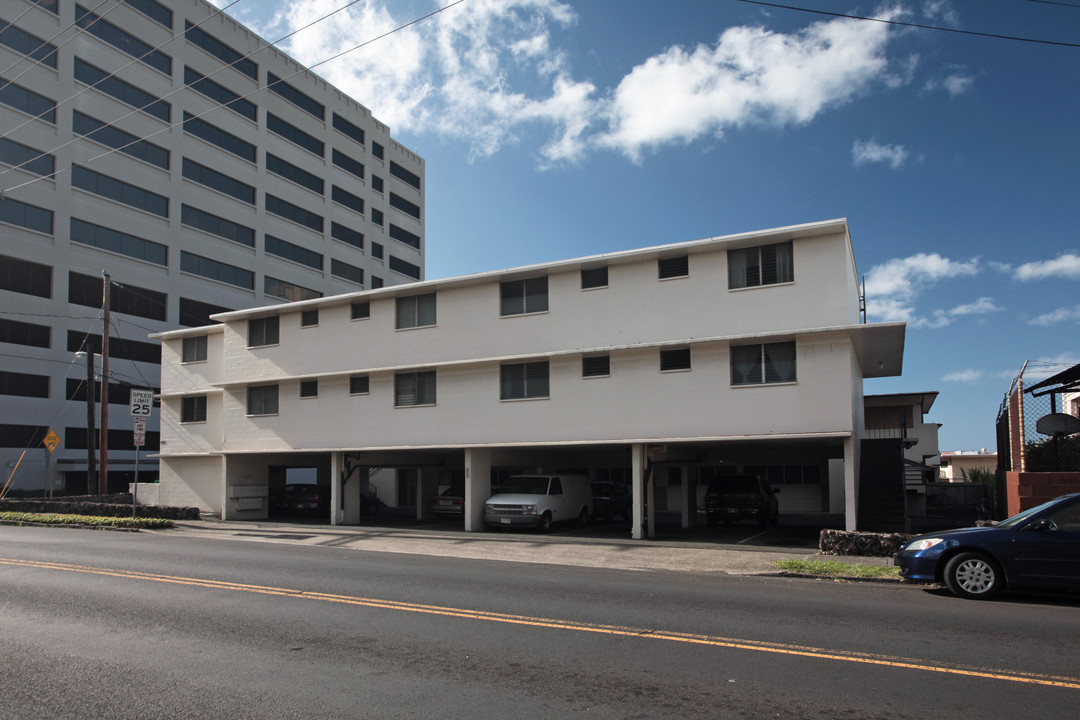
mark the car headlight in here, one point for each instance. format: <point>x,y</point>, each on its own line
<point>489,509</point>
<point>925,543</point>
<point>528,509</point>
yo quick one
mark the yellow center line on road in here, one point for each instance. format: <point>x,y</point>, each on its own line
<point>614,630</point>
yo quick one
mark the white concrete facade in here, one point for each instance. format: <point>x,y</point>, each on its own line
<point>634,414</point>
<point>180,241</point>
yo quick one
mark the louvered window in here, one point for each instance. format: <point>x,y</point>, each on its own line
<point>309,388</point>
<point>358,385</point>
<point>417,388</point>
<point>263,331</point>
<point>594,278</point>
<point>520,297</point>
<point>524,380</point>
<point>596,366</point>
<point>416,311</point>
<point>762,265</point>
<point>761,364</point>
<point>675,359</point>
<point>673,267</point>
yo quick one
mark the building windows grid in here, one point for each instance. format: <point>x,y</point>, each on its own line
<point>295,213</point>
<point>26,158</point>
<point>153,10</point>
<point>404,175</point>
<point>404,236</point>
<point>125,92</point>
<point>348,129</point>
<point>122,40</point>
<point>118,242</point>
<point>221,182</point>
<point>347,164</point>
<point>117,139</point>
<point>287,290</point>
<point>24,384</point>
<point>28,101</point>
<point>291,172</point>
<point>202,39</point>
<point>16,332</point>
<point>227,229</point>
<point>216,136</point>
<point>26,215</point>
<point>294,134</point>
<point>300,99</point>
<point>521,297</point>
<point>346,198</point>
<point>415,311</point>
<point>346,235</point>
<point>220,94</point>
<point>404,205</point>
<point>120,191</point>
<point>345,271</point>
<point>523,381</point>
<point>763,364</point>
<point>405,268</point>
<point>25,277</point>
<point>127,299</point>
<point>761,265</point>
<point>216,270</point>
<point>295,253</point>
<point>24,43</point>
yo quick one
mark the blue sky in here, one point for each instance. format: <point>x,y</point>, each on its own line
<point>553,129</point>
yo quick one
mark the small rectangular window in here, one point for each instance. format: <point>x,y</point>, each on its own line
<point>193,409</point>
<point>416,311</point>
<point>263,331</point>
<point>416,388</point>
<point>377,183</point>
<point>596,366</point>
<point>376,250</point>
<point>309,318</point>
<point>762,265</point>
<point>359,385</point>
<point>262,400</point>
<point>309,388</point>
<point>377,150</point>
<point>194,349</point>
<point>762,364</point>
<point>377,217</point>
<point>675,359</point>
<point>519,381</point>
<point>673,267</point>
<point>360,311</point>
<point>594,277</point>
<point>520,297</point>
<point>376,282</point>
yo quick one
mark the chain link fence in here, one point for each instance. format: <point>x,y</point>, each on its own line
<point>1021,447</point>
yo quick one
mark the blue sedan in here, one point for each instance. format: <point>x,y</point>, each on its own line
<point>1039,548</point>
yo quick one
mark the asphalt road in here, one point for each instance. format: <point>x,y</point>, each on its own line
<point>167,625</point>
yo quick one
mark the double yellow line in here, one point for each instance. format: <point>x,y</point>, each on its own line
<point>615,630</point>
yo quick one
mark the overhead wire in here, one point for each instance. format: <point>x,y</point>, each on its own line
<point>218,106</point>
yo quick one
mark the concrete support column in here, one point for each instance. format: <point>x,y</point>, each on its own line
<point>638,463</point>
<point>427,487</point>
<point>851,484</point>
<point>689,497</point>
<point>337,462</point>
<point>350,493</point>
<point>477,487</point>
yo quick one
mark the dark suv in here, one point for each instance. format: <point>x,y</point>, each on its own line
<point>741,497</point>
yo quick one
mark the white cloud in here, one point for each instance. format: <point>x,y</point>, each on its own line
<point>891,288</point>
<point>964,376</point>
<point>1062,314</point>
<point>1065,266</point>
<point>982,306</point>
<point>871,151</point>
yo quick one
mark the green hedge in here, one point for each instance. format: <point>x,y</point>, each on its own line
<point>20,518</point>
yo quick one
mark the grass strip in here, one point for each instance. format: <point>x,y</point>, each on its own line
<point>838,569</point>
<point>85,520</point>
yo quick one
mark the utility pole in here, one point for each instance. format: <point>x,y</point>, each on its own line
<point>91,479</point>
<point>103,474</point>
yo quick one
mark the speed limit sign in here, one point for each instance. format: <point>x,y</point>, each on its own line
<point>142,402</point>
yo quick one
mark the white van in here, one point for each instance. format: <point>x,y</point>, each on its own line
<point>540,500</point>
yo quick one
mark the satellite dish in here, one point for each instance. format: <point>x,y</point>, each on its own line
<point>1058,424</point>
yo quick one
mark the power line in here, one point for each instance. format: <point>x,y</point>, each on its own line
<point>911,25</point>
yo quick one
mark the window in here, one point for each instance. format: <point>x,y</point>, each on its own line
<point>346,128</point>
<point>594,278</point>
<point>26,158</point>
<point>301,100</point>
<point>287,290</point>
<point>216,270</point>
<point>376,282</point>
<point>309,388</point>
<point>122,40</point>
<point>416,311</point>
<point>21,333</point>
<point>23,276</point>
<point>27,101</point>
<point>377,217</point>
<point>120,191</point>
<point>346,163</point>
<point>86,290</point>
<point>124,92</point>
<point>117,139</point>
<point>291,172</point>
<point>377,150</point>
<point>119,348</point>
<point>194,313</point>
<point>262,400</point>
<point>219,93</point>
<point>763,265</point>
<point>26,436</point>
<point>766,363</point>
<point>309,318</point>
<point>415,388</point>
<point>675,359</point>
<point>346,198</point>
<point>518,381</point>
<point>218,181</point>
<point>193,409</point>
<point>26,215</point>
<point>194,349</point>
<point>294,134</point>
<point>118,242</point>
<point>153,10</point>
<point>24,385</point>
<point>376,250</point>
<point>402,235</point>
<point>224,53</point>
<point>227,229</point>
<point>297,214</point>
<point>673,267</point>
<point>405,268</point>
<point>520,297</point>
<point>347,235</point>
<point>289,251</point>
<point>216,136</point>
<point>24,43</point>
<point>358,385</point>
<point>360,310</point>
<point>263,331</point>
<point>50,5</point>
<point>402,174</point>
<point>404,205</point>
<point>596,366</point>
<point>376,183</point>
<point>345,271</point>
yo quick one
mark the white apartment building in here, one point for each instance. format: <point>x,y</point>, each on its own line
<point>163,143</point>
<point>663,367</point>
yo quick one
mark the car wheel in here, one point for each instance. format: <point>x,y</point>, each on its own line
<point>583,517</point>
<point>973,576</point>
<point>545,523</point>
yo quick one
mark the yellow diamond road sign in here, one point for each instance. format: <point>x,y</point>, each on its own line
<point>52,440</point>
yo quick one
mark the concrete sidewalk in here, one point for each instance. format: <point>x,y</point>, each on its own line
<point>559,549</point>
